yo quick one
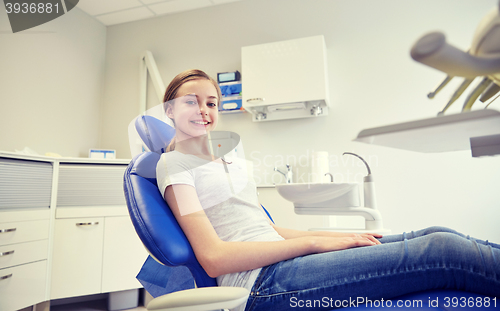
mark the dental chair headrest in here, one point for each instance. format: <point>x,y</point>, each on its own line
<point>145,165</point>
<point>155,133</point>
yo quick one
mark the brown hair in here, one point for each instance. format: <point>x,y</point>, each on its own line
<point>177,82</point>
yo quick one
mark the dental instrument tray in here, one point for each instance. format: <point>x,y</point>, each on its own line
<point>438,134</point>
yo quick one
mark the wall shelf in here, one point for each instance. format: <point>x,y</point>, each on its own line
<point>438,134</point>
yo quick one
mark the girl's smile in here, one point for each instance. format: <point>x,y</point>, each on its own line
<point>194,110</point>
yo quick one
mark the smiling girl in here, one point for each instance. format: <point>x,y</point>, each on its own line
<point>215,203</point>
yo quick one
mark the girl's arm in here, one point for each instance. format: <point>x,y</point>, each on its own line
<point>293,234</point>
<point>218,257</point>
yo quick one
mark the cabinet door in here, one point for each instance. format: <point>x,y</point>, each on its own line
<point>77,257</point>
<point>124,255</point>
<point>284,72</point>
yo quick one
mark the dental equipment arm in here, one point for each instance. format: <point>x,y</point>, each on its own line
<point>433,51</point>
<point>440,87</point>
<point>481,60</point>
<point>148,65</point>
<point>490,92</point>
<point>465,84</point>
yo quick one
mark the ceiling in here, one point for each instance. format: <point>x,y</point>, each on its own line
<point>112,12</point>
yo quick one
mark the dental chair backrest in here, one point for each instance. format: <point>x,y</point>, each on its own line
<point>153,220</point>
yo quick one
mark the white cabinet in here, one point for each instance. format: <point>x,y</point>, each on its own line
<point>25,193</point>
<point>95,255</point>
<point>24,248</point>
<point>77,257</point>
<point>285,80</point>
<point>64,230</point>
<point>96,249</point>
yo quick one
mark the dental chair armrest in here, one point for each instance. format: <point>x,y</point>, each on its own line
<point>200,299</point>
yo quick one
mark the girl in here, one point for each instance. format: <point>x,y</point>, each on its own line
<point>216,206</point>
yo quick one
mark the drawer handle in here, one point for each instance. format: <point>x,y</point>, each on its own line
<point>87,223</point>
<point>6,253</point>
<point>8,230</point>
<point>5,277</point>
<point>255,100</point>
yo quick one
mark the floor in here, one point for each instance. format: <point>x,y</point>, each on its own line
<point>95,305</point>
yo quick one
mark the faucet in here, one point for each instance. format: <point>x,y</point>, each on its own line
<point>288,175</point>
<point>368,184</point>
<point>331,176</point>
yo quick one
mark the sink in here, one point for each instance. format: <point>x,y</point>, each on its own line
<point>332,199</point>
<point>327,195</point>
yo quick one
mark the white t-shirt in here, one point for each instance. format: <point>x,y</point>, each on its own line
<point>228,195</point>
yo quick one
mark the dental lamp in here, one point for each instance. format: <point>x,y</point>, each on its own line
<point>482,60</point>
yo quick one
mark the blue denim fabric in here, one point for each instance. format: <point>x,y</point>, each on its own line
<point>432,258</point>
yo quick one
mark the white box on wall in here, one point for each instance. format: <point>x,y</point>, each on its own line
<point>286,79</point>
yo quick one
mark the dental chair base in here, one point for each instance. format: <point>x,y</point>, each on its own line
<point>200,299</point>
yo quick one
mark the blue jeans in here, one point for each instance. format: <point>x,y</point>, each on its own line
<point>432,258</point>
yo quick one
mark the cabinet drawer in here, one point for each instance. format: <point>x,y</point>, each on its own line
<point>18,254</point>
<point>25,231</point>
<point>24,215</point>
<point>22,286</point>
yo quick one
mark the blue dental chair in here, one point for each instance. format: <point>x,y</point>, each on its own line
<point>163,238</point>
<point>160,233</point>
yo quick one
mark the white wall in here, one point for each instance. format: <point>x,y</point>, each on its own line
<point>373,82</point>
<point>51,84</point>
<point>51,80</point>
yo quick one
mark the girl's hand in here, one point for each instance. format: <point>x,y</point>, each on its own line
<point>371,236</point>
<point>322,244</point>
<point>292,234</point>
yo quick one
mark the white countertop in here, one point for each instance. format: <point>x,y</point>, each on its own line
<point>21,156</point>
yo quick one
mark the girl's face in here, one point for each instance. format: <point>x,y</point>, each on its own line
<point>194,110</point>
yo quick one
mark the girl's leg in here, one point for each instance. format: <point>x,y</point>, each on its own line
<point>439,260</point>
<point>430,230</point>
